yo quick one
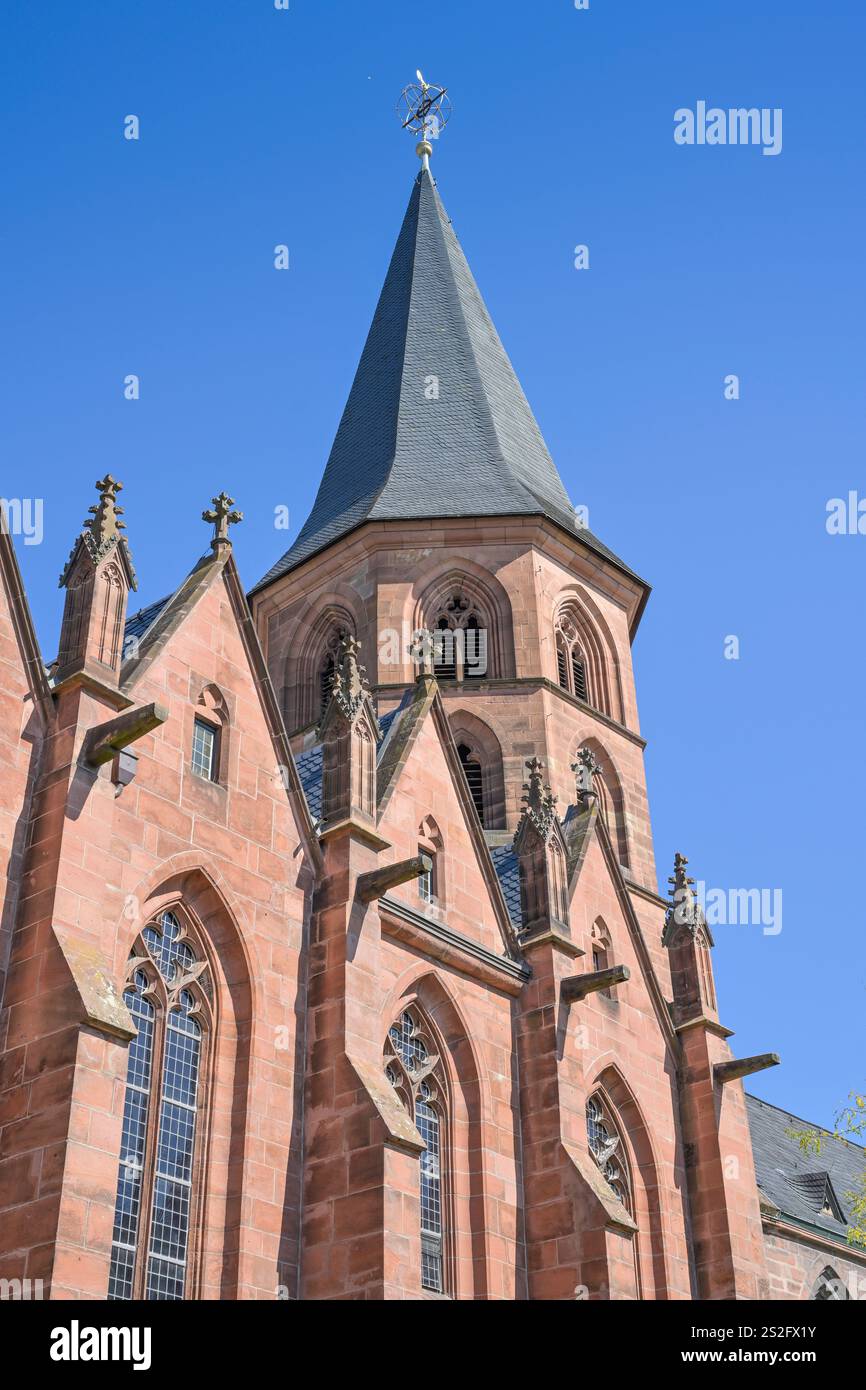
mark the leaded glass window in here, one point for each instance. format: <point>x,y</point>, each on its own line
<point>414,1069</point>
<point>606,1148</point>
<point>169,998</point>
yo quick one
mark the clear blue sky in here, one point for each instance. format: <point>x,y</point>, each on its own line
<point>261,127</point>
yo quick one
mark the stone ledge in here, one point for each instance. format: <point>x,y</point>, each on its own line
<point>434,939</point>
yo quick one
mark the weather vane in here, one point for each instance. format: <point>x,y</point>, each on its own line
<point>425,110</point>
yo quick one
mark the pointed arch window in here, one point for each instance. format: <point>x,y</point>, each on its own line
<point>607,1149</point>
<point>459,640</point>
<point>571,664</point>
<point>414,1069</point>
<point>431,885</point>
<point>169,996</point>
<point>472,769</point>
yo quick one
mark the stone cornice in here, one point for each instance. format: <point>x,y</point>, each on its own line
<point>504,684</point>
<point>442,943</point>
<point>788,1226</point>
<point>573,553</point>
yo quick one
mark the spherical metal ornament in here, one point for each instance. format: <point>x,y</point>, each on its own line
<point>424,109</point>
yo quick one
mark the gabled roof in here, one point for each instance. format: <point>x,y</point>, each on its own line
<point>801,1184</point>
<point>405,450</point>
<point>138,623</point>
<point>507,868</point>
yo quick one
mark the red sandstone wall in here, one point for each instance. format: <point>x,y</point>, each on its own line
<point>229,854</point>
<point>619,1043</point>
<point>19,747</point>
<point>794,1263</point>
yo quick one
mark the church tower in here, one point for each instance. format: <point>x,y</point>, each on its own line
<point>441,510</point>
<point>442,543</point>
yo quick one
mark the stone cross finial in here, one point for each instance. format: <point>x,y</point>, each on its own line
<point>222,517</point>
<point>586,769</point>
<point>683,909</point>
<point>103,520</point>
<point>539,803</point>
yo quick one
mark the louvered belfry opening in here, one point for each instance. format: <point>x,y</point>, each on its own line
<point>444,651</point>
<point>578,671</point>
<point>472,769</point>
<point>562,664</point>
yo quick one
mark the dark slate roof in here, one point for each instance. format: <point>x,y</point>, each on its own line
<point>309,764</point>
<point>795,1182</point>
<point>309,767</point>
<point>138,623</point>
<point>476,451</point>
<point>506,866</point>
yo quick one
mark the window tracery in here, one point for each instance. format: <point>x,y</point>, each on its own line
<point>169,995</point>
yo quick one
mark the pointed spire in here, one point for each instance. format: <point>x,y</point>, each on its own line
<point>350,689</point>
<point>104,524</point>
<point>684,909</point>
<point>97,577</point>
<point>436,423</point>
<point>102,531</point>
<point>222,517</point>
<point>349,732</point>
<point>539,803</point>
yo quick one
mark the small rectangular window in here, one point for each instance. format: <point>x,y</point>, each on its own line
<point>425,883</point>
<point>204,750</point>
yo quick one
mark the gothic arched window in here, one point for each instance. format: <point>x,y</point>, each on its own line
<point>169,996</point>
<point>414,1069</point>
<point>606,1148</point>
<point>571,664</point>
<point>431,885</point>
<point>459,640</point>
<point>472,769</point>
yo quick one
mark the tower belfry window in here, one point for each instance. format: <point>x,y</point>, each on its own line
<point>578,674</point>
<point>473,771</point>
<point>459,640</point>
